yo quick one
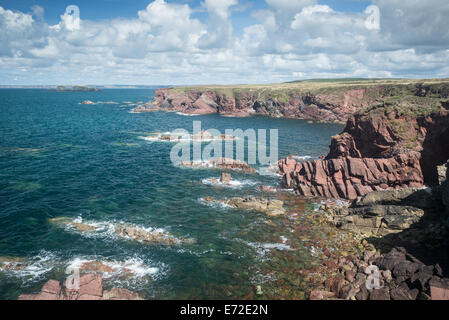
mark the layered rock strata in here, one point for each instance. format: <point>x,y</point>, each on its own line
<point>387,147</point>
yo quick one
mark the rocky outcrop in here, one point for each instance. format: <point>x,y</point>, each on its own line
<point>271,208</point>
<point>220,163</point>
<point>323,101</point>
<point>90,288</point>
<point>349,177</point>
<point>383,212</point>
<point>202,136</point>
<point>150,237</point>
<point>389,146</point>
<point>87,102</point>
<point>126,231</point>
<point>334,105</point>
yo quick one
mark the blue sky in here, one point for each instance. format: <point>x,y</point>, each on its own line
<point>107,9</point>
<point>220,41</point>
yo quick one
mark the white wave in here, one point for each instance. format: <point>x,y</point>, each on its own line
<point>133,266</point>
<point>34,268</point>
<point>235,184</point>
<point>187,114</point>
<point>107,229</point>
<point>301,158</point>
<point>107,102</point>
<point>269,171</point>
<point>213,204</point>
<point>262,249</point>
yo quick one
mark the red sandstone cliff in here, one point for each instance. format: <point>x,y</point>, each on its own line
<point>385,147</point>
<point>332,106</point>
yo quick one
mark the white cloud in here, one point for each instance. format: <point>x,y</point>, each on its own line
<point>290,5</point>
<point>220,8</point>
<point>165,44</point>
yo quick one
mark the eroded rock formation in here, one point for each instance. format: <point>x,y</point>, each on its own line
<point>333,105</point>
<point>389,146</point>
<point>271,208</point>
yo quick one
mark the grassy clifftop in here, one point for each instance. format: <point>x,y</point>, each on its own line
<point>375,88</point>
<point>397,87</point>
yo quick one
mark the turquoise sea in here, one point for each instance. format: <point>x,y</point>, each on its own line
<point>88,163</point>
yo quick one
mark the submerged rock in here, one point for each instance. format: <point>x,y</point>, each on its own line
<point>88,102</point>
<point>82,227</point>
<point>12,263</point>
<point>96,266</point>
<point>154,237</point>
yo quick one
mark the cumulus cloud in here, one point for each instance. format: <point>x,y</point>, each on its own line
<point>165,44</point>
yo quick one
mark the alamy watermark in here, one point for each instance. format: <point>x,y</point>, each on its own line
<point>257,151</point>
<point>72,18</point>
<point>372,22</point>
<point>373,279</point>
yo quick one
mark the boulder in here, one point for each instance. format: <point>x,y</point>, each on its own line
<point>439,288</point>
<point>271,208</point>
<point>401,293</point>
<point>91,285</point>
<point>142,235</point>
<point>380,294</point>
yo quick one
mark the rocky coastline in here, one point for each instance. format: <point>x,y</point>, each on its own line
<point>389,163</point>
<point>319,101</point>
<point>395,144</point>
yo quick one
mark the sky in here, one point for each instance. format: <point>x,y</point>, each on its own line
<point>191,42</point>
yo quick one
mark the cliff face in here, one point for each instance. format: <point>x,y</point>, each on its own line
<point>334,104</point>
<point>331,101</point>
<point>389,146</point>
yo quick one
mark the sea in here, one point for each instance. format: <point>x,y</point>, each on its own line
<point>91,164</point>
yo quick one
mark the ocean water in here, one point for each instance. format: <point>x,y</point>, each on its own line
<point>88,163</point>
